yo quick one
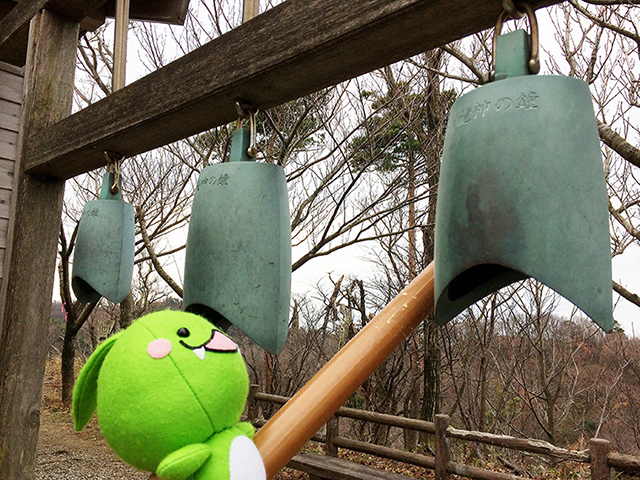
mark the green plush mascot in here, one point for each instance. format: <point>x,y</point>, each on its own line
<point>169,391</point>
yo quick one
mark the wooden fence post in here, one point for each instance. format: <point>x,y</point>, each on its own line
<point>598,451</point>
<point>333,430</point>
<point>443,454</point>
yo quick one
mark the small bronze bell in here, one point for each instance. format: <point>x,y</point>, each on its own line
<point>104,251</point>
<point>522,190</point>
<point>238,258</point>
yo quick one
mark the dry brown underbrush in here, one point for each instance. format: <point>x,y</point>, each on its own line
<point>66,454</point>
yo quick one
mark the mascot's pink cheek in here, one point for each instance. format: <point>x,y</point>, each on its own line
<point>159,348</point>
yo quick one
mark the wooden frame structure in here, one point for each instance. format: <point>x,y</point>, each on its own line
<point>291,50</point>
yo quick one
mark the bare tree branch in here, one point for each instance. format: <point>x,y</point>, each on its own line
<point>598,21</point>
<point>626,294</point>
<point>633,231</point>
<point>154,259</point>
<point>618,144</point>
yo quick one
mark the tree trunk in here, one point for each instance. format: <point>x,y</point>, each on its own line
<point>126,312</point>
<point>68,361</point>
<point>431,376</point>
<point>76,316</point>
<point>436,116</point>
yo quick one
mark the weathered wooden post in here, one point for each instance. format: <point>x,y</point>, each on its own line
<point>32,244</point>
<point>443,454</point>
<point>599,448</point>
<point>333,430</point>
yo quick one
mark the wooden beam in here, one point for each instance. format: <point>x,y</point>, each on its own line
<point>25,10</point>
<point>25,302</point>
<point>294,49</point>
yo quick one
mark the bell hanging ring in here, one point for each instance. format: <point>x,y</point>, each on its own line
<point>522,190</point>
<point>238,257</point>
<point>533,65</point>
<point>104,251</point>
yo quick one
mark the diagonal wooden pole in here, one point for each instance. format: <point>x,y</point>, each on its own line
<point>295,423</point>
<point>284,435</point>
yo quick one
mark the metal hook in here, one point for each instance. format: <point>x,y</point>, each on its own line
<point>511,9</point>
<point>113,165</point>
<point>252,151</point>
<point>509,6</point>
<point>247,111</point>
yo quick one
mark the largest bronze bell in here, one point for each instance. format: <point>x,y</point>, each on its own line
<point>238,258</point>
<point>522,191</point>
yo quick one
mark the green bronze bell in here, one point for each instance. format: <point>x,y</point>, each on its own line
<point>238,258</point>
<point>104,251</point>
<point>522,191</point>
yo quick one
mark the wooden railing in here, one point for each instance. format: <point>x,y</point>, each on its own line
<point>599,455</point>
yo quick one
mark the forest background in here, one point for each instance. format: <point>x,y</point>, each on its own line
<point>362,164</point>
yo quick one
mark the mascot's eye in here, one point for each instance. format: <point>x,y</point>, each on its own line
<point>184,332</point>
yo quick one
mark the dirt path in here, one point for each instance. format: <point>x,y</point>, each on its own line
<point>64,454</point>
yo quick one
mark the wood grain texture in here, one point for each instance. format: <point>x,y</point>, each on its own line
<point>622,462</point>
<point>386,452</point>
<point>523,444</point>
<point>9,107</point>
<point>29,265</point>
<point>25,10</point>
<point>442,448</point>
<point>4,227</point>
<point>332,468</point>
<point>468,471</point>
<point>599,449</point>
<point>7,67</point>
<point>9,122</point>
<point>10,94</point>
<point>11,76</point>
<point>6,179</point>
<point>11,83</point>
<point>294,49</point>
<point>8,136</point>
